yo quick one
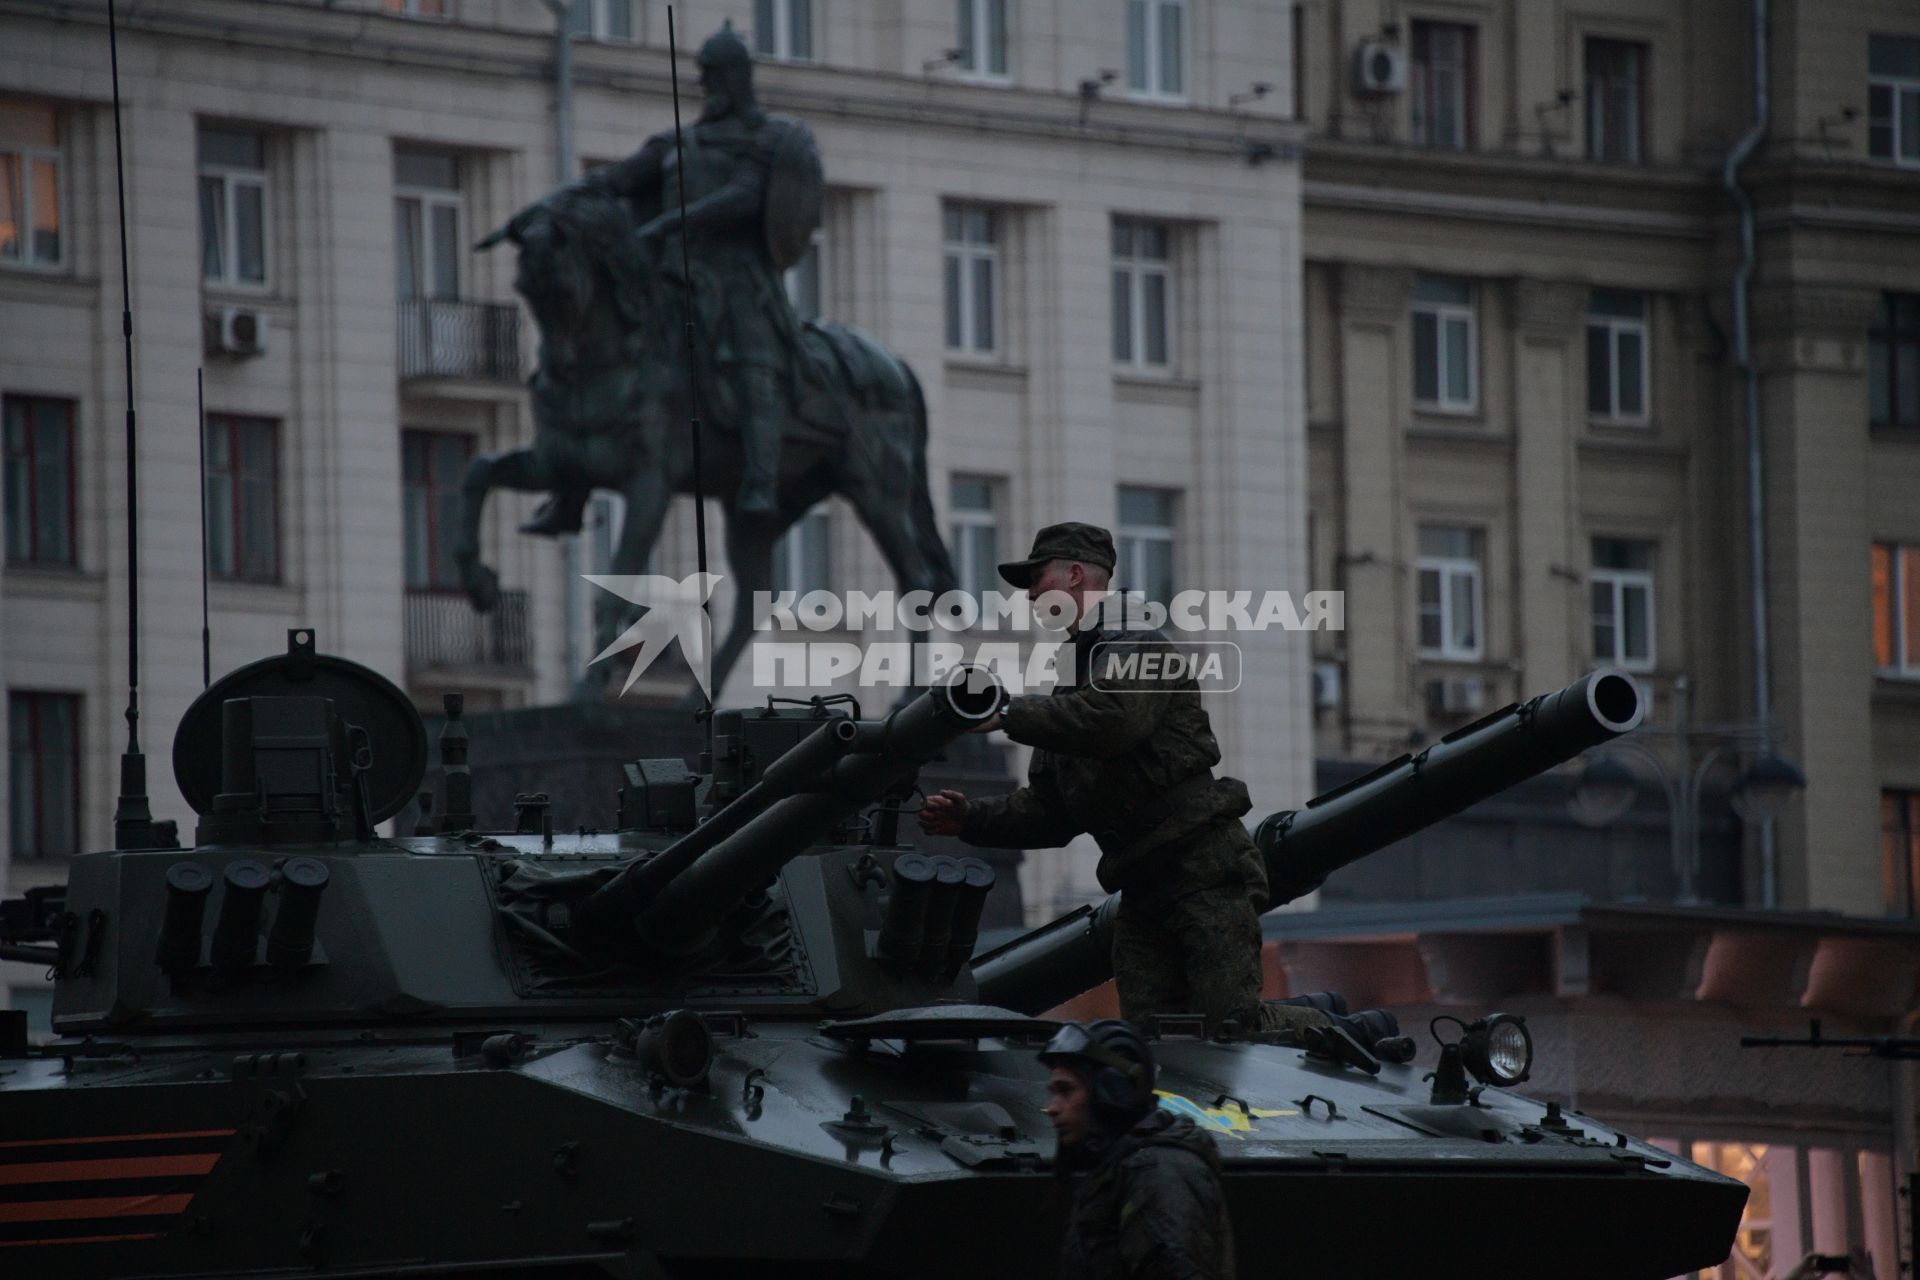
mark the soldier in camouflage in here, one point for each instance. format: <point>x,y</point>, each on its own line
<point>1129,760</point>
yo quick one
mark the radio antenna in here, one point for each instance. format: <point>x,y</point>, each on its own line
<point>132,819</point>
<point>206,633</point>
<point>693,372</point>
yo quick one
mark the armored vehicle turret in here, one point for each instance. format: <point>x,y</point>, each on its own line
<point>740,1030</point>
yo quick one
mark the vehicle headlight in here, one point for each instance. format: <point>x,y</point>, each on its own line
<point>1498,1050</point>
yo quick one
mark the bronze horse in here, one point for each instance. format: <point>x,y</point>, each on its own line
<point>611,411</point>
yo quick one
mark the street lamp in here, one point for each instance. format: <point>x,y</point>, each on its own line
<point>1608,788</point>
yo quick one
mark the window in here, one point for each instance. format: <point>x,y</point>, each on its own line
<point>1442,85</point>
<point>1144,543</point>
<point>1900,851</point>
<point>601,19</point>
<point>803,558</point>
<point>1617,355</point>
<point>43,774</point>
<point>1444,345</point>
<point>30,185</point>
<point>975,534</point>
<point>1896,609</point>
<point>1893,99</point>
<point>39,480</point>
<point>1157,48</point>
<point>972,268</point>
<point>983,39</point>
<point>783,29</point>
<point>243,524</point>
<point>418,8</point>
<point>233,207</point>
<point>805,278</point>
<point>1616,97</point>
<point>433,466</point>
<point>1449,568</point>
<point>1140,289</point>
<point>1893,361</point>
<point>427,235</point>
<point>1622,586</point>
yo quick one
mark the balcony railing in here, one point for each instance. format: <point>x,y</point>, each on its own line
<point>444,633</point>
<point>440,338</point>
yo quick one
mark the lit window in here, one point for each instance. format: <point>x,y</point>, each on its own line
<point>1442,85</point>
<point>601,19</point>
<point>1449,568</point>
<point>972,278</point>
<point>1444,345</point>
<point>30,185</point>
<point>1900,851</point>
<point>1144,542</point>
<point>975,534</point>
<point>1616,90</point>
<point>803,558</point>
<point>1617,355</point>
<point>1141,285</point>
<point>243,536</point>
<point>806,277</point>
<point>1896,609</point>
<point>418,8</point>
<point>1893,362</point>
<point>783,29</point>
<point>233,207</point>
<point>983,39</point>
<point>1893,99</point>
<point>39,480</point>
<point>43,774</point>
<point>433,467</point>
<point>1622,587</point>
<point>1157,48</point>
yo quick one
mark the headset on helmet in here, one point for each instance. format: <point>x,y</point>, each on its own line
<point>1114,1058</point>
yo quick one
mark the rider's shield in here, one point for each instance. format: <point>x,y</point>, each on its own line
<point>795,185</point>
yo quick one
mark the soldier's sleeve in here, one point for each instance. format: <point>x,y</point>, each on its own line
<point>1105,717</point>
<point>1170,1219</point>
<point>1034,817</point>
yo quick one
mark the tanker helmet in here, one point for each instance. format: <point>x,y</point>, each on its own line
<point>1116,1063</point>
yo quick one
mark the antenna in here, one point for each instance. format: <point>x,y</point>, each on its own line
<point>693,373</point>
<point>132,819</point>
<point>206,633</point>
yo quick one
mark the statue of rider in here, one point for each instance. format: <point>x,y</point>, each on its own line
<point>753,190</point>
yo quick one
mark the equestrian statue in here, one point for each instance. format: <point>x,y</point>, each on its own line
<point>789,412</point>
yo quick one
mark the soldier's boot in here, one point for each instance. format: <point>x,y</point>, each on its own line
<point>563,512</point>
<point>759,497</point>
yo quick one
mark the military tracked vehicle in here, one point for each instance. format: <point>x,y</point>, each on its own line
<point>740,1030</point>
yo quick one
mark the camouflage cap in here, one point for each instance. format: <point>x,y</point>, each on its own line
<point>1069,541</point>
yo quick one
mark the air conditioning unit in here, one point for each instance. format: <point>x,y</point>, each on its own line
<point>236,331</point>
<point>1456,696</point>
<point>1326,685</point>
<point>1379,68</point>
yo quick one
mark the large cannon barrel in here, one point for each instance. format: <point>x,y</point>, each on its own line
<point>843,771</point>
<point>1302,847</point>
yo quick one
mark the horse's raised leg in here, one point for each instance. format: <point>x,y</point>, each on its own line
<point>519,469</point>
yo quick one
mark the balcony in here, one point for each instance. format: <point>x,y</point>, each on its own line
<point>444,634</point>
<point>442,338</point>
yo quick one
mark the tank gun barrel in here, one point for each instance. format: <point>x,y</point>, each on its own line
<point>1302,847</point>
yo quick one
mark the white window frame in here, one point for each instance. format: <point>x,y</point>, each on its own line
<point>780,45</point>
<point>961,520</point>
<point>28,156</point>
<point>974,24</point>
<point>1897,87</point>
<point>1131,540</point>
<point>1448,569</point>
<point>232,178</point>
<point>600,21</point>
<point>1152,86</point>
<point>1631,149</point>
<point>1137,269</point>
<point>816,253</point>
<point>1906,665</point>
<point>789,552</point>
<point>1421,123</point>
<point>1618,583</point>
<point>1442,314</point>
<point>430,198</point>
<point>969,253</point>
<point>1618,329</point>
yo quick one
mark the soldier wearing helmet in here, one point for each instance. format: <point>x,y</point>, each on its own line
<point>1147,1202</point>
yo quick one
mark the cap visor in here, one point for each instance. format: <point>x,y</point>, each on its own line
<point>1019,573</point>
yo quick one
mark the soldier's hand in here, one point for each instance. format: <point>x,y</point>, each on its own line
<point>943,813</point>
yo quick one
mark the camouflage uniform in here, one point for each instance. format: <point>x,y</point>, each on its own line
<point>1151,1209</point>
